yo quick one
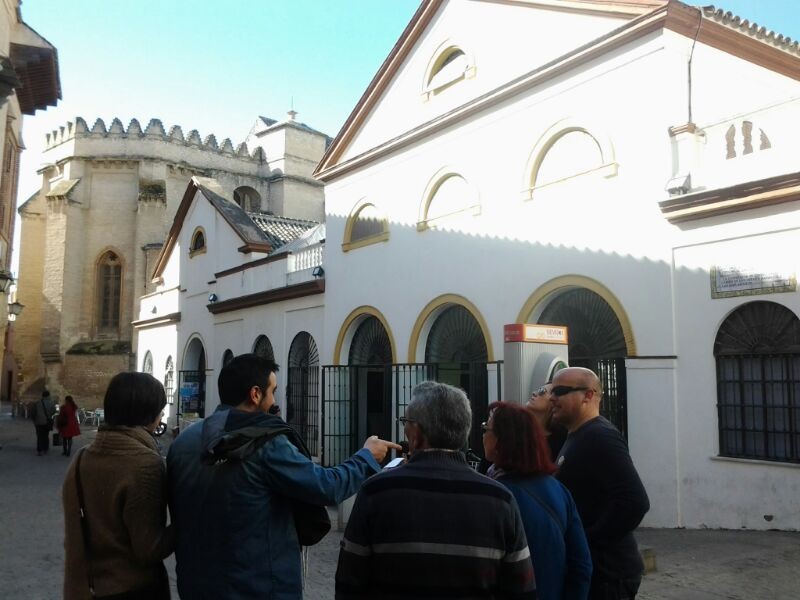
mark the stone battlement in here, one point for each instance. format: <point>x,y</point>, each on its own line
<point>153,132</point>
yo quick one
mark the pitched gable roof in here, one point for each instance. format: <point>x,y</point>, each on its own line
<point>253,238</point>
<point>281,230</point>
<point>707,25</point>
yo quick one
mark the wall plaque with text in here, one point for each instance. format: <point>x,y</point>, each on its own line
<point>728,281</point>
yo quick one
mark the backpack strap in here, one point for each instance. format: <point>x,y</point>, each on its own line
<point>85,534</point>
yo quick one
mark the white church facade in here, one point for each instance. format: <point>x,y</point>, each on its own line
<point>630,175</point>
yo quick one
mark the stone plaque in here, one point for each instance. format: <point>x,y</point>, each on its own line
<point>728,281</point>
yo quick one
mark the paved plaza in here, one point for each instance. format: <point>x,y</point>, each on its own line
<point>691,564</point>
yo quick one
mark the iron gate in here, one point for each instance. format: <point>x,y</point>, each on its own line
<point>192,390</point>
<point>363,400</point>
<point>611,371</point>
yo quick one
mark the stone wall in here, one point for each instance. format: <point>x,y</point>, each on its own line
<point>86,377</point>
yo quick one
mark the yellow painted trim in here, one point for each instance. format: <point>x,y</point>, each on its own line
<point>608,167</point>
<point>441,301</point>
<point>202,250</point>
<point>348,244</point>
<point>573,281</point>
<point>358,312</point>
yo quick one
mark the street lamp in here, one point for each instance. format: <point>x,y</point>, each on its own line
<point>6,279</point>
<point>15,308</point>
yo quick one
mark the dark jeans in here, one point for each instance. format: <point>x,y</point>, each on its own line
<point>66,446</point>
<point>618,589</point>
<point>42,438</point>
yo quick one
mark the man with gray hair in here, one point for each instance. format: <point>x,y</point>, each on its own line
<point>433,527</point>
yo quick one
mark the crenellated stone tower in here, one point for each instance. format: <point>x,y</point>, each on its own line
<point>91,233</point>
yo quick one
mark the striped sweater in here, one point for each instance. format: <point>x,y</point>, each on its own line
<point>434,528</point>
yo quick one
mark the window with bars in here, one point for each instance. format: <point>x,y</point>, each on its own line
<point>169,380</point>
<point>109,284</point>
<point>758,383</point>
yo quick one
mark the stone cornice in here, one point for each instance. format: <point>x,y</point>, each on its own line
<point>289,292</point>
<point>157,321</point>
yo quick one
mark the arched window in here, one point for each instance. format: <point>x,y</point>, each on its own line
<point>365,226</point>
<point>109,288</point>
<point>263,348</point>
<point>248,198</point>
<point>169,380</point>
<point>147,363</point>
<point>451,202</point>
<point>227,356</point>
<point>757,351</point>
<point>450,65</point>
<point>302,389</point>
<point>198,244</point>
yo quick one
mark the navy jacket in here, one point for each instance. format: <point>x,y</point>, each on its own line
<point>559,550</point>
<point>230,500</point>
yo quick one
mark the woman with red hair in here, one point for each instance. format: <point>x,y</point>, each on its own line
<point>514,442</point>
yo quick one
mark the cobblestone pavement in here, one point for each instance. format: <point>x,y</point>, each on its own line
<point>692,564</point>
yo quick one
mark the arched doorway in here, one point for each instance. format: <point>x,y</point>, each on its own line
<point>757,351</point>
<point>263,348</point>
<point>457,348</point>
<point>596,342</point>
<point>370,357</point>
<point>302,389</point>
<point>192,380</point>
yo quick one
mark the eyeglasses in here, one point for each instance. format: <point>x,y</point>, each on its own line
<point>405,420</point>
<point>541,391</point>
<point>485,427</point>
<point>563,390</point>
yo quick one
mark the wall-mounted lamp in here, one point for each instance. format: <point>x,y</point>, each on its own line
<point>14,309</point>
<point>318,271</point>
<point>6,279</point>
<point>212,297</point>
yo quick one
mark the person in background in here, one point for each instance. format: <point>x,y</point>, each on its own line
<point>43,412</point>
<point>514,442</point>
<point>433,527</point>
<point>67,422</point>
<point>555,434</point>
<point>123,482</point>
<point>596,467</point>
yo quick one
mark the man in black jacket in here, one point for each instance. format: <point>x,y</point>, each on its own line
<point>596,467</point>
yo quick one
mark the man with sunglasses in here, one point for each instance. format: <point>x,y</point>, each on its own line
<point>596,467</point>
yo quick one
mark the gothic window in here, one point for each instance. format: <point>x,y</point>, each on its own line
<point>147,363</point>
<point>365,226</point>
<point>109,287</point>
<point>198,245</point>
<point>757,351</point>
<point>169,380</point>
<point>451,202</point>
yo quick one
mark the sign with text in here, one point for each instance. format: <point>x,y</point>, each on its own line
<point>526,332</point>
<point>728,281</point>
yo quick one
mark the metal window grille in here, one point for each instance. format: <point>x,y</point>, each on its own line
<point>758,407</point>
<point>169,381</point>
<point>302,390</point>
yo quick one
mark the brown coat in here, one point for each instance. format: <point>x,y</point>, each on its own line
<point>125,492</point>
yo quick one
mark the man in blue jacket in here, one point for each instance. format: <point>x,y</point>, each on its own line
<point>233,478</point>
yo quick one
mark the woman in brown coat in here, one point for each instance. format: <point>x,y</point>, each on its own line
<point>123,479</point>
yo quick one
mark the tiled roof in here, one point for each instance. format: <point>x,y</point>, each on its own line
<point>752,29</point>
<point>281,230</point>
<point>308,238</point>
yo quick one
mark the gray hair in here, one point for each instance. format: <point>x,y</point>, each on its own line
<point>443,413</point>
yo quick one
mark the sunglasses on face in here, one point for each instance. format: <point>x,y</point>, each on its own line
<point>541,391</point>
<point>563,390</point>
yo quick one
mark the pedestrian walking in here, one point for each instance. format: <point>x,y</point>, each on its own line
<point>596,467</point>
<point>433,527</point>
<point>514,442</point>
<point>43,412</point>
<point>119,484</point>
<point>237,481</point>
<point>67,423</point>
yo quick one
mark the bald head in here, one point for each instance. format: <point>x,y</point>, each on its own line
<point>576,396</point>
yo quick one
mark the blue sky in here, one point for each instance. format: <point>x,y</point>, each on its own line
<point>215,66</point>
